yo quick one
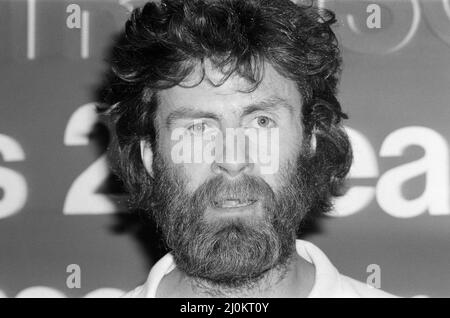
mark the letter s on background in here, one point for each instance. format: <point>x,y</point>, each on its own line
<point>12,183</point>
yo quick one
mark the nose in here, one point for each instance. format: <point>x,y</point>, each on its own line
<point>234,158</point>
<point>231,169</point>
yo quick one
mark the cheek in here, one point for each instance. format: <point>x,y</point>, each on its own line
<point>196,174</point>
<point>179,156</point>
<point>287,149</point>
<point>288,152</point>
<point>292,139</point>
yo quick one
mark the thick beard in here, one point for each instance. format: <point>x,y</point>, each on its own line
<point>236,253</point>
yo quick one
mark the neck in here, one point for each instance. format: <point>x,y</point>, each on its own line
<point>293,279</point>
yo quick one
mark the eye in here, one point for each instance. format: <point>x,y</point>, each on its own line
<point>197,128</point>
<point>264,122</point>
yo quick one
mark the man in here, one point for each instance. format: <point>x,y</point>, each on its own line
<point>263,70</point>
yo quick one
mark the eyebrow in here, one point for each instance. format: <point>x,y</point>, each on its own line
<point>270,104</point>
<point>186,112</point>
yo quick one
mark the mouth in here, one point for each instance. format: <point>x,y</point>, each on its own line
<point>232,208</point>
<point>233,203</point>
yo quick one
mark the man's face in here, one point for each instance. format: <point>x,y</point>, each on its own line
<point>226,220</point>
<point>274,105</point>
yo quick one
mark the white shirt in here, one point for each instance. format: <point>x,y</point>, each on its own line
<point>329,283</point>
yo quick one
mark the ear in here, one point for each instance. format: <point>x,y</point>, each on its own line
<point>147,156</point>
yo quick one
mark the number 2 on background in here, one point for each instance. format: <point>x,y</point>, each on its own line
<point>82,197</point>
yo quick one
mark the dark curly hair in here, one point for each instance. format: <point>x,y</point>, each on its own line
<point>163,42</point>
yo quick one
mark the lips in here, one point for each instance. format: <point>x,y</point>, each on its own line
<point>233,203</point>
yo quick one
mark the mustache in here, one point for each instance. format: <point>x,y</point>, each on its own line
<point>220,188</point>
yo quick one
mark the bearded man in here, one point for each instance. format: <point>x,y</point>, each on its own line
<point>201,68</point>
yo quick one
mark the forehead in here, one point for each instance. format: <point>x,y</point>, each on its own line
<point>230,97</point>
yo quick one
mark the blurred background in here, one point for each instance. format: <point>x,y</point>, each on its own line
<point>64,230</point>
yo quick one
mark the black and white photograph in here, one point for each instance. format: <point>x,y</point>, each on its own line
<point>241,149</point>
